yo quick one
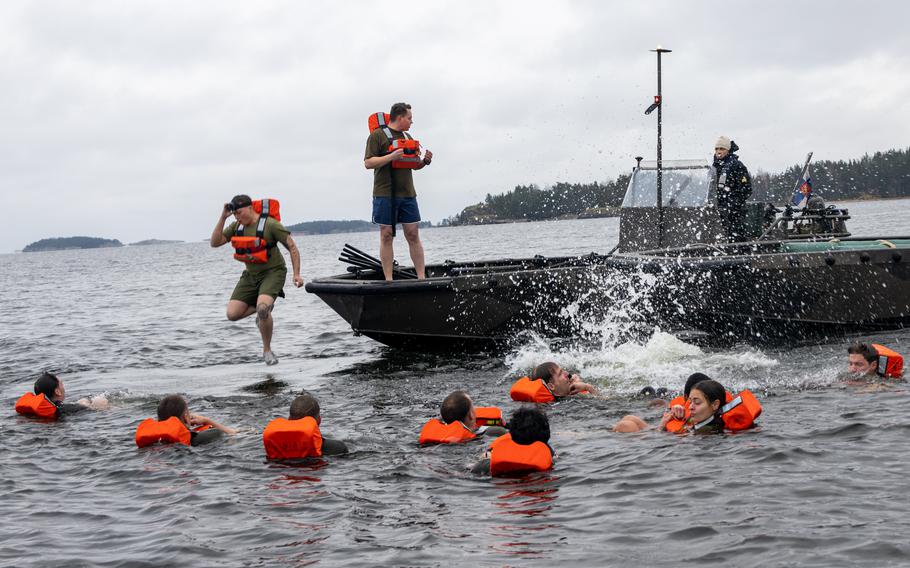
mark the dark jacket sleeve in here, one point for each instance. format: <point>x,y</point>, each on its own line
<point>206,436</point>
<point>333,447</point>
<point>740,182</point>
<point>67,409</point>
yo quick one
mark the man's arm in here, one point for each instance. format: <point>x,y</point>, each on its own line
<point>378,161</point>
<point>295,259</point>
<point>199,420</point>
<point>427,160</point>
<point>218,237</point>
<point>332,447</point>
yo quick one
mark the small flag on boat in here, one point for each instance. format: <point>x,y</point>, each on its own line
<point>804,189</point>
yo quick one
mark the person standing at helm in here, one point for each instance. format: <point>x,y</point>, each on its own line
<point>261,282</point>
<point>402,207</point>
<point>734,187</point>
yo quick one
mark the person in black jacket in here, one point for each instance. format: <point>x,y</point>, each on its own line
<point>734,186</point>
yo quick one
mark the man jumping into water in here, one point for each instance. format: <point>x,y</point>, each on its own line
<point>261,282</point>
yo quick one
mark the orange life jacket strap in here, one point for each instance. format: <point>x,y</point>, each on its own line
<point>488,416</point>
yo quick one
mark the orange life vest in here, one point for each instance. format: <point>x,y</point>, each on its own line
<point>172,431</point>
<point>292,439</point>
<point>488,416</point>
<point>890,363</point>
<point>31,404</point>
<point>739,412</point>
<point>507,456</point>
<point>411,158</point>
<point>526,390</point>
<point>436,432</point>
<point>256,250</point>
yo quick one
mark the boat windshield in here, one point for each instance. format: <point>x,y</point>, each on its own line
<point>685,183</point>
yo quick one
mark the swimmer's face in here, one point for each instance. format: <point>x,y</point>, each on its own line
<point>561,382</point>
<point>699,407</point>
<point>858,365</point>
<point>59,392</point>
<point>721,153</point>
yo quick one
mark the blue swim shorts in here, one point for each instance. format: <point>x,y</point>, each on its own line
<point>408,212</point>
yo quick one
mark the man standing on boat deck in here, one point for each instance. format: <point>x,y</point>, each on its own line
<point>734,187</point>
<point>378,158</point>
<point>261,283</point>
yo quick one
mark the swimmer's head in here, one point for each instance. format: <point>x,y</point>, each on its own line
<point>305,405</point>
<point>528,425</point>
<point>705,400</point>
<point>557,378</point>
<point>693,380</point>
<point>862,359</point>
<point>458,406</point>
<point>51,387</point>
<point>173,405</point>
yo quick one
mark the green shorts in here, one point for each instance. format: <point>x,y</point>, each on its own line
<point>251,286</point>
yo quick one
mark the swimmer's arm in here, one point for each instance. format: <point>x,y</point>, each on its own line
<point>332,447</point>
<point>206,436</point>
<point>69,408</point>
<point>494,431</point>
<point>218,237</point>
<point>579,387</point>
<point>98,402</point>
<point>481,467</point>
<point>199,420</point>
<point>295,259</point>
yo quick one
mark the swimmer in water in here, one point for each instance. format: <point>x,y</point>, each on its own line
<point>706,399</point>
<point>862,360</point>
<point>54,391</point>
<point>527,445</point>
<point>458,409</point>
<point>560,382</point>
<point>307,405</point>
<point>632,423</point>
<point>175,405</point>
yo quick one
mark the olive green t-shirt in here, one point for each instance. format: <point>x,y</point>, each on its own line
<point>378,145</point>
<point>274,233</point>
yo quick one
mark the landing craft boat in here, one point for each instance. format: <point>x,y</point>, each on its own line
<point>799,275</point>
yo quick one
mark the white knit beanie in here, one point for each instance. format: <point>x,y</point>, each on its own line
<point>722,142</point>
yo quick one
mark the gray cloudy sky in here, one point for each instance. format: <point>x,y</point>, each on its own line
<point>136,120</point>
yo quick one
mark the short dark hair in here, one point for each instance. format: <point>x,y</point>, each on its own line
<point>240,201</point>
<point>544,371</point>
<point>46,384</point>
<point>171,405</point>
<point>713,391</point>
<point>693,380</point>
<point>398,109</point>
<point>304,405</point>
<point>528,425</point>
<point>455,407</point>
<point>867,351</point>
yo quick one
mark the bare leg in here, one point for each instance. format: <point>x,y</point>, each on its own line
<point>264,305</point>
<point>237,310</point>
<point>416,247</point>
<point>630,423</point>
<point>386,253</point>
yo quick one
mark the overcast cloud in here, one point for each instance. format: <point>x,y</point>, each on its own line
<point>135,120</point>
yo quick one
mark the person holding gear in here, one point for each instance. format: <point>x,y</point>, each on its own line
<point>394,197</point>
<point>263,279</point>
<point>734,187</point>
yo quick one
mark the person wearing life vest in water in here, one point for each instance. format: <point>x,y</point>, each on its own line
<point>524,449</point>
<point>874,360</point>
<point>255,234</point>
<point>462,421</point>
<point>394,197</point>
<point>298,436</point>
<point>175,424</point>
<point>47,400</point>
<point>706,400</point>
<point>739,412</point>
<point>547,383</point>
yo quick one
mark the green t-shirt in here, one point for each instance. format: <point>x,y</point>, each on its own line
<point>378,145</point>
<point>274,233</point>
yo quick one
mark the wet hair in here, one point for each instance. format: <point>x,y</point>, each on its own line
<point>171,405</point>
<point>544,371</point>
<point>304,405</point>
<point>241,201</point>
<point>528,425</point>
<point>693,380</point>
<point>46,384</point>
<point>398,109</point>
<point>867,351</point>
<point>455,407</point>
<point>713,391</point>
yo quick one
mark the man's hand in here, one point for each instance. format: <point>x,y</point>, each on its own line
<point>226,211</point>
<point>396,155</point>
<point>678,411</point>
<point>298,280</point>
<point>427,158</point>
<point>200,420</point>
<point>578,387</point>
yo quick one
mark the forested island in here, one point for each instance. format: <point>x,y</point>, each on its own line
<point>330,227</point>
<point>149,242</point>
<point>880,175</point>
<point>69,243</point>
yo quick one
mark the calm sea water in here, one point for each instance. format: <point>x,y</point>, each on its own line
<point>823,482</point>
